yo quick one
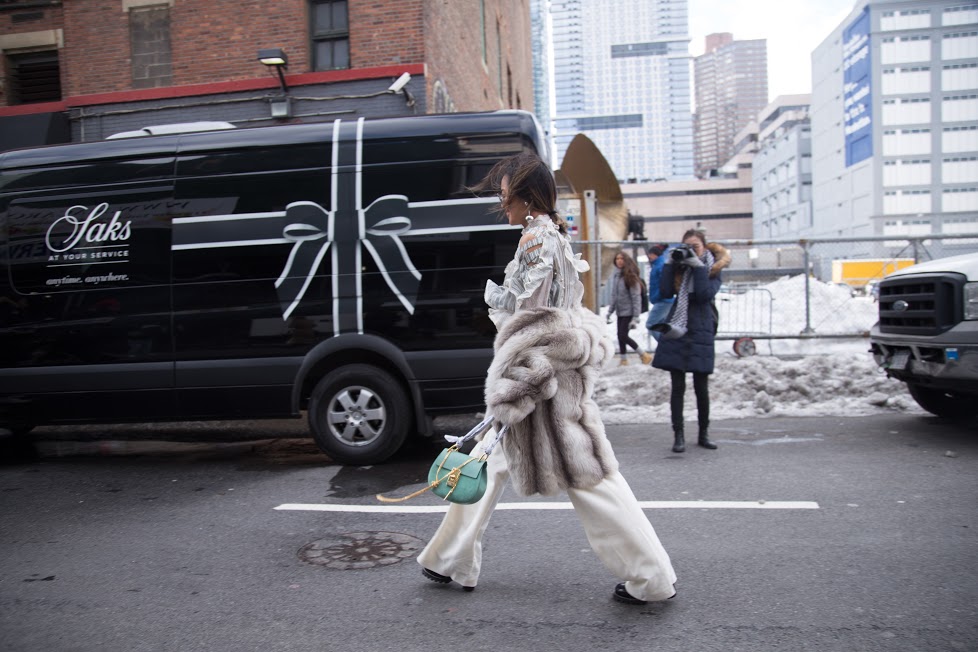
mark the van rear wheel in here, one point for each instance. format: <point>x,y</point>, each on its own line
<point>359,414</point>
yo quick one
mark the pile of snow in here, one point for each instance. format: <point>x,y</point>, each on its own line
<point>812,377</point>
<point>778,308</point>
<point>840,384</point>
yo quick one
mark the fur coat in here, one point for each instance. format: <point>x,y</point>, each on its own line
<point>540,384</point>
<point>695,351</point>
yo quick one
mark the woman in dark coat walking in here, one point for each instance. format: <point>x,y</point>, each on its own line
<point>692,275</point>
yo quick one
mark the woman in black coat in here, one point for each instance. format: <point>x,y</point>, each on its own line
<point>692,275</point>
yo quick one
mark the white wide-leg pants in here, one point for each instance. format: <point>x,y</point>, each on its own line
<point>616,527</point>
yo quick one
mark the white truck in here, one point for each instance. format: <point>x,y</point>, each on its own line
<point>927,334</point>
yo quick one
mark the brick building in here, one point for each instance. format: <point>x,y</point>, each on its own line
<point>81,70</point>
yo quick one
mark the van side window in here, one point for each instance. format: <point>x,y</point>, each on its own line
<point>425,181</point>
<point>238,196</point>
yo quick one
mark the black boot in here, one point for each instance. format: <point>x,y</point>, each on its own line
<point>704,440</point>
<point>679,446</point>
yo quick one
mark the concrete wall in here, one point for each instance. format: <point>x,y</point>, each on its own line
<point>722,207</point>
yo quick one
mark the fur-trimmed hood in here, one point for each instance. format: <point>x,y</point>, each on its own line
<point>541,383</point>
<point>721,258</point>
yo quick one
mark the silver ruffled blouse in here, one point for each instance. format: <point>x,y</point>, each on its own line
<point>543,273</point>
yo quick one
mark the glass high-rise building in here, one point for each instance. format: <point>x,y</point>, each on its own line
<point>731,88</point>
<point>539,10</point>
<point>621,76</point>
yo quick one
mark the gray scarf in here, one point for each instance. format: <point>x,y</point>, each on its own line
<point>676,327</point>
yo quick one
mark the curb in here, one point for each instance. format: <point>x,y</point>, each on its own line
<point>122,448</point>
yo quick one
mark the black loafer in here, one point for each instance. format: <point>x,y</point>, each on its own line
<point>435,577</point>
<point>442,579</point>
<point>621,595</point>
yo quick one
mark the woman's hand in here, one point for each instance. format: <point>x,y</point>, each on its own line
<point>693,261</point>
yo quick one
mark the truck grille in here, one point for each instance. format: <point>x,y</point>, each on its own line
<point>920,305</point>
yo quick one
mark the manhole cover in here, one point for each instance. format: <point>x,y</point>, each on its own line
<point>355,550</point>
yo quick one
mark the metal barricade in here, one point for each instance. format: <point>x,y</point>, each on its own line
<point>804,289</point>
<point>745,311</point>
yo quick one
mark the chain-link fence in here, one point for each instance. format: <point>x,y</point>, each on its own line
<point>766,293</point>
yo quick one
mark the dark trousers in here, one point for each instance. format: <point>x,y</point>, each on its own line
<point>624,341</point>
<point>701,385</point>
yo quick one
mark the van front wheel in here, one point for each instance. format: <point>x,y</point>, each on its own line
<point>359,414</point>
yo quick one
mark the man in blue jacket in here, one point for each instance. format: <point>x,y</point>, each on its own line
<point>658,307</point>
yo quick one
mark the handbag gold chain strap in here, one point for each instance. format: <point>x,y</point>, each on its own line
<point>455,474</point>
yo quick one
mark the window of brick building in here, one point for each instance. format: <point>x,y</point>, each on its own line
<point>329,29</point>
<point>482,24</point>
<point>33,77</point>
<point>499,59</point>
<point>509,86</point>
<point>149,40</point>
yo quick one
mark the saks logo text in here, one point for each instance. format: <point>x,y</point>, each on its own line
<point>80,229</point>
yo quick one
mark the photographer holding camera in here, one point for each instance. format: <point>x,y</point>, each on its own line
<point>692,275</point>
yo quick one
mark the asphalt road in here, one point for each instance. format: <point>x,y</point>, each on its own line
<point>187,551</point>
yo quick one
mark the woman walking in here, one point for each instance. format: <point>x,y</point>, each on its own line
<point>548,353</point>
<point>626,302</point>
<point>692,275</point>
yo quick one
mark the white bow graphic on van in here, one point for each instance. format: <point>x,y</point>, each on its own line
<point>314,229</point>
<point>343,231</point>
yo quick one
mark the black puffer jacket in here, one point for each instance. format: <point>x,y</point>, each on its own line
<point>694,351</point>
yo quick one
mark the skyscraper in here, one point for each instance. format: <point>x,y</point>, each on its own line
<point>621,76</point>
<point>731,87</point>
<point>540,30</point>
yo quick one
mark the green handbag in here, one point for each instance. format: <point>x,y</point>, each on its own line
<point>456,476</point>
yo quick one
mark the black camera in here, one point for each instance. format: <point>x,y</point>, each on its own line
<point>681,253</point>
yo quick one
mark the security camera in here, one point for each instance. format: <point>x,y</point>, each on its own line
<point>400,83</point>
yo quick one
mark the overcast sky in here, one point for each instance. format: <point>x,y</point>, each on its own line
<point>793,28</point>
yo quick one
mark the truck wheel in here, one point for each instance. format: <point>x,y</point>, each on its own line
<point>941,403</point>
<point>359,414</point>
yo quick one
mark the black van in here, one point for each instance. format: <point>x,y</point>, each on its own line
<point>337,268</point>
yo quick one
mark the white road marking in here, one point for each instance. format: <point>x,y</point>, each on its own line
<point>530,506</point>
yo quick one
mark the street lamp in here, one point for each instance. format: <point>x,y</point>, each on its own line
<point>277,59</point>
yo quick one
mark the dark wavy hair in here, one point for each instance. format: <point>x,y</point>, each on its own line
<point>530,181</point>
<point>629,271</point>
